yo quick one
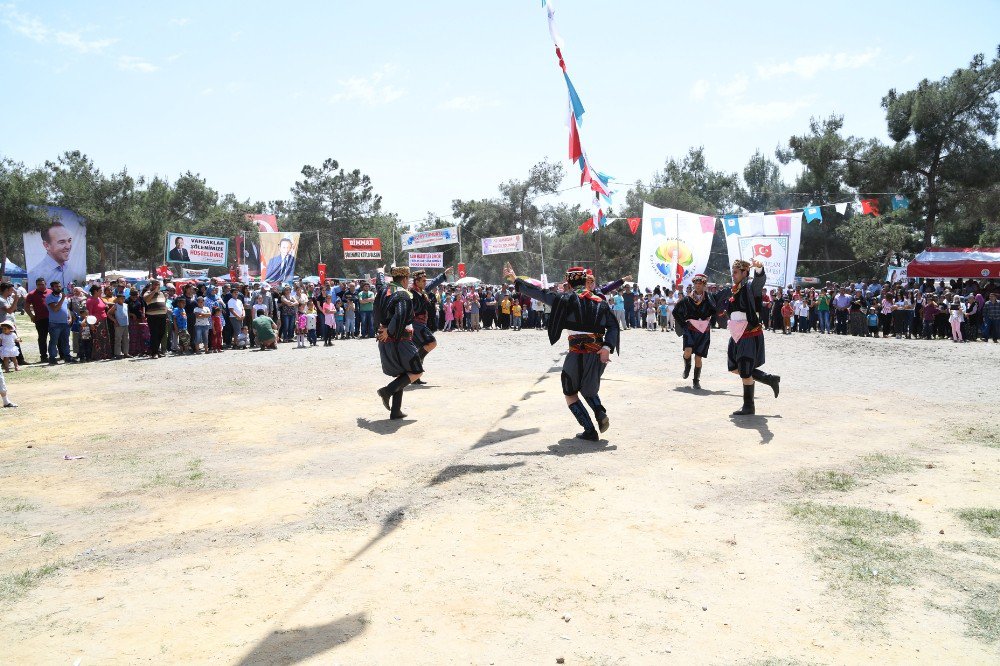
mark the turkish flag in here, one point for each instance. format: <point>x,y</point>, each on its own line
<point>633,224</point>
<point>587,226</point>
<point>461,270</point>
<point>869,207</point>
<point>321,272</point>
<point>762,251</point>
<point>679,276</point>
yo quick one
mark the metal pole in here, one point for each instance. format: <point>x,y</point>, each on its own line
<point>541,250</point>
<point>460,244</point>
<point>319,247</point>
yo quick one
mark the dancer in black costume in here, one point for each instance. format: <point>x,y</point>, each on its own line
<point>423,310</point>
<point>394,323</point>
<point>693,311</point>
<point>593,336</point>
<point>746,343</point>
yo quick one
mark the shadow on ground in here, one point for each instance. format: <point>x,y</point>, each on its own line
<point>295,645</point>
<point>758,423</point>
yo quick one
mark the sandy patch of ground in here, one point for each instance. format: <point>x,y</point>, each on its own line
<point>259,508</point>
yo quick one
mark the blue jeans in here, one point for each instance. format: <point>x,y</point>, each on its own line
<point>58,339</point>
<point>824,321</point>
<point>287,327</point>
<point>349,324</point>
<point>367,324</point>
<point>992,329</point>
<point>200,337</point>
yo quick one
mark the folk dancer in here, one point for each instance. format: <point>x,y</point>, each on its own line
<point>746,344</point>
<point>394,323</point>
<point>593,336</point>
<point>693,316</point>
<point>423,311</point>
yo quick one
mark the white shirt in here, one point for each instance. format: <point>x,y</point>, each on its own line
<point>236,308</point>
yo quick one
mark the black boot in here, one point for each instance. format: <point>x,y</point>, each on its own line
<point>390,389</point>
<point>747,409</point>
<point>770,380</point>
<point>397,403</point>
<point>583,418</point>
<point>602,414</point>
<point>697,377</point>
<point>687,368</point>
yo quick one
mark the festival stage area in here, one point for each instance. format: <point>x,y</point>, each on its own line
<point>260,508</point>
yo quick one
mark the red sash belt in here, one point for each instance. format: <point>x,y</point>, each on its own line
<point>753,332</point>
<point>584,344</point>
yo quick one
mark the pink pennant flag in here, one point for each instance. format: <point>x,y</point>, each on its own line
<point>700,325</point>
<point>784,224</point>
<point>707,225</point>
<point>736,329</point>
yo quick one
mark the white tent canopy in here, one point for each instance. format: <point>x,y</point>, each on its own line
<point>115,274</point>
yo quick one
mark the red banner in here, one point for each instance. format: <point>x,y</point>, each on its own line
<point>321,272</point>
<point>461,270</point>
<point>265,222</point>
<point>362,248</point>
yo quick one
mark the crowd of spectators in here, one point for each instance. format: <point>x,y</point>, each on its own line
<point>122,320</point>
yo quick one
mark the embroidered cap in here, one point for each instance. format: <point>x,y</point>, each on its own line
<point>577,273</point>
<point>418,274</point>
<point>400,271</point>
<point>699,277</point>
<point>741,265</point>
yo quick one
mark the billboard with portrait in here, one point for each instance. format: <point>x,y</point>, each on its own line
<point>191,249</point>
<point>277,256</point>
<point>59,250</point>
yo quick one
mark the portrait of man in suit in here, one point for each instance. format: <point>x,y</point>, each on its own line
<point>179,252</point>
<point>281,267</point>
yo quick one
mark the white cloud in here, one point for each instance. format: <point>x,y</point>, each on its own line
<point>133,64</point>
<point>700,89</point>
<point>807,67</point>
<point>180,22</point>
<point>371,90</point>
<point>734,88</point>
<point>466,103</point>
<point>744,113</point>
<point>35,30</point>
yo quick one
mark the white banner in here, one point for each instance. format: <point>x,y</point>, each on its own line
<point>503,244</point>
<point>429,238</point>
<point>896,274</point>
<point>188,249</point>
<point>773,239</point>
<point>194,272</point>
<point>363,254</point>
<point>426,260</point>
<point>674,244</point>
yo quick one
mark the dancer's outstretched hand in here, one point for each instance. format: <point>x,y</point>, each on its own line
<point>508,272</point>
<point>447,271</point>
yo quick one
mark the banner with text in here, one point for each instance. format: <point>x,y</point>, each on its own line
<point>205,250</point>
<point>674,246</point>
<point>429,238</point>
<point>772,239</point>
<point>194,272</point>
<point>362,248</point>
<point>503,244</point>
<point>426,260</point>
<point>896,274</point>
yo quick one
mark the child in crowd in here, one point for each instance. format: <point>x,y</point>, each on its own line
<point>8,346</point>
<point>243,338</point>
<point>348,329</point>
<point>515,316</point>
<point>330,321</point>
<point>215,337</point>
<point>663,312</point>
<point>86,336</point>
<point>202,326</point>
<point>956,317</point>
<point>872,322</point>
<point>449,313</point>
<point>786,316</point>
<point>301,324</point>
<point>311,323</point>
<point>340,318</point>
<point>650,315</point>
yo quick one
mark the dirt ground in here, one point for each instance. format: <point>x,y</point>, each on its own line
<point>259,508</point>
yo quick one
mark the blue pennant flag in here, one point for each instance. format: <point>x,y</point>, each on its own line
<point>658,226</point>
<point>731,224</point>
<point>900,202</point>
<point>813,213</point>
<point>574,99</point>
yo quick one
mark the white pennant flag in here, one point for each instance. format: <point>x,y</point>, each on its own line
<point>841,208</point>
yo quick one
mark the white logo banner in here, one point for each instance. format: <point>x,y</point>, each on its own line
<point>503,244</point>
<point>429,238</point>
<point>675,246</point>
<point>426,260</point>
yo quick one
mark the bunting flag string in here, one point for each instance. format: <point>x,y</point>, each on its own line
<point>598,182</point>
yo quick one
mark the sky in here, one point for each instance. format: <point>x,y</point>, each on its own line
<point>439,101</point>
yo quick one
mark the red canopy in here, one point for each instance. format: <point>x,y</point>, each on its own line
<point>956,262</point>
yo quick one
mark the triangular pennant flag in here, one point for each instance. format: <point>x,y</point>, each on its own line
<point>575,149</point>
<point>869,207</point>
<point>783,212</point>
<point>813,213</point>
<point>707,224</point>
<point>659,226</point>
<point>574,100</point>
<point>899,202</point>
<point>841,208</point>
<point>784,223</point>
<point>587,226</point>
<point>633,224</point>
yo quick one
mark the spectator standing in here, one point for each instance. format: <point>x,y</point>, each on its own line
<point>287,306</point>
<point>120,347</point>
<point>34,305</point>
<point>156,317</point>
<point>237,312</point>
<point>366,307</point>
<point>956,317</point>
<point>180,325</point>
<point>58,305</point>
<point>202,325</point>
<point>991,315</point>
<point>823,312</point>
<point>841,306</point>
<point>100,337</point>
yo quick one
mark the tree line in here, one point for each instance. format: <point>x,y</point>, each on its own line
<point>942,156</point>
